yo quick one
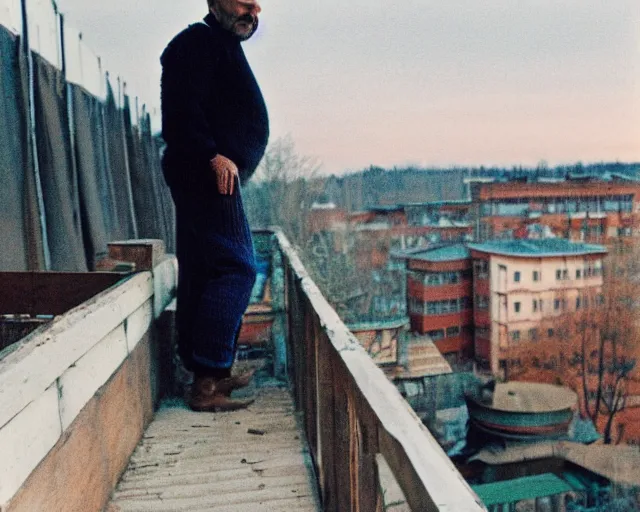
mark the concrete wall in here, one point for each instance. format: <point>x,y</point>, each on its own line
<point>76,397</point>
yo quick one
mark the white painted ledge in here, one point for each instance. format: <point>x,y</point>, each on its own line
<point>26,440</point>
<point>51,375</point>
<point>43,357</point>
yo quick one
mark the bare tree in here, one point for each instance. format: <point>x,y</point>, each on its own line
<point>285,187</point>
<point>331,263</point>
<point>593,349</point>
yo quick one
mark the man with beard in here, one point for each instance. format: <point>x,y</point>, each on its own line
<point>215,125</point>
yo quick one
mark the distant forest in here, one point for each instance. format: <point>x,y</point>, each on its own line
<point>377,186</point>
<point>287,184</point>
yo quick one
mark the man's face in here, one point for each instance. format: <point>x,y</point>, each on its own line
<point>237,16</point>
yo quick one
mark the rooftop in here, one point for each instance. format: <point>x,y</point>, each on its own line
<point>606,177</point>
<point>530,397</point>
<point>444,253</point>
<point>616,463</point>
<point>519,489</point>
<point>538,248</point>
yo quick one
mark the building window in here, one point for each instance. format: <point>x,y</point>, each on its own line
<point>481,268</point>
<point>558,275</point>
<point>452,332</point>
<point>482,302</point>
<point>536,275</point>
<point>482,332</point>
<point>436,335</point>
<point>416,306</point>
<point>565,274</point>
<point>516,307</point>
<point>535,305</point>
<point>578,302</point>
<point>556,304</point>
<point>578,274</point>
<point>516,277</point>
<point>444,307</point>
<point>600,299</point>
<point>440,278</point>
<point>515,335</point>
<point>533,334</point>
<point>550,333</point>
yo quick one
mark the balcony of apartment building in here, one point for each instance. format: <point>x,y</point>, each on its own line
<point>88,420</point>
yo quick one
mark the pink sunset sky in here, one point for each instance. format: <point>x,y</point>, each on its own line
<point>430,83</point>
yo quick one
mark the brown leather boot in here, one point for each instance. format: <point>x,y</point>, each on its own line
<point>239,381</point>
<point>211,395</point>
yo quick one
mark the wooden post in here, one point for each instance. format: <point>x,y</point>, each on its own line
<point>146,254</point>
<point>342,437</point>
<point>311,383</point>
<point>369,495</point>
<point>326,433</point>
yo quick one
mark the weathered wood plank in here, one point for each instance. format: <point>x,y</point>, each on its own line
<point>146,254</point>
<point>165,282</point>
<point>138,323</point>
<point>344,438</point>
<point>423,470</point>
<point>26,440</point>
<point>369,493</point>
<point>419,464</point>
<point>81,470</point>
<point>326,427</point>
<point>50,293</point>
<point>224,467</point>
<point>78,384</point>
<point>40,359</point>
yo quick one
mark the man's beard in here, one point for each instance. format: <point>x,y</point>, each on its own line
<point>228,22</point>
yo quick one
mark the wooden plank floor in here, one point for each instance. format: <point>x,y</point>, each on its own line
<point>191,461</point>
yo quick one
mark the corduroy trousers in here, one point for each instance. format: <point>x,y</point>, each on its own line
<point>217,271</point>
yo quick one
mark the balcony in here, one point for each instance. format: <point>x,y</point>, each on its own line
<point>328,430</point>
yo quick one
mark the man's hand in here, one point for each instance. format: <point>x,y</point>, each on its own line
<point>226,172</point>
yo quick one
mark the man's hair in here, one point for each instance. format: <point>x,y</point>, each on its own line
<point>210,2</point>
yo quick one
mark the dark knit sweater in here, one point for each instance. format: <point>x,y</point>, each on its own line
<point>211,104</point>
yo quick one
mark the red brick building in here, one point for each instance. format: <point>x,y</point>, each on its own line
<point>588,210</point>
<point>440,290</point>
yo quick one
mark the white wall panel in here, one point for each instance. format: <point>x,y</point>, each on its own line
<point>44,32</point>
<point>81,381</point>
<point>26,440</point>
<point>11,15</point>
<point>83,65</point>
<point>138,324</point>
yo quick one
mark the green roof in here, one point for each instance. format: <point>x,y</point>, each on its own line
<point>446,253</point>
<point>538,248</point>
<point>525,488</point>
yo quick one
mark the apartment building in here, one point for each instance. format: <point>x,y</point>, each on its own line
<point>586,209</point>
<point>518,285</point>
<point>440,291</point>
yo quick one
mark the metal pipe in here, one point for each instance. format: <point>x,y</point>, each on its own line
<point>33,137</point>
<point>107,158</point>
<point>127,166</point>
<point>71,122</point>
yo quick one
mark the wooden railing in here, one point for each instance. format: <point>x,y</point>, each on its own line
<point>353,416</point>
